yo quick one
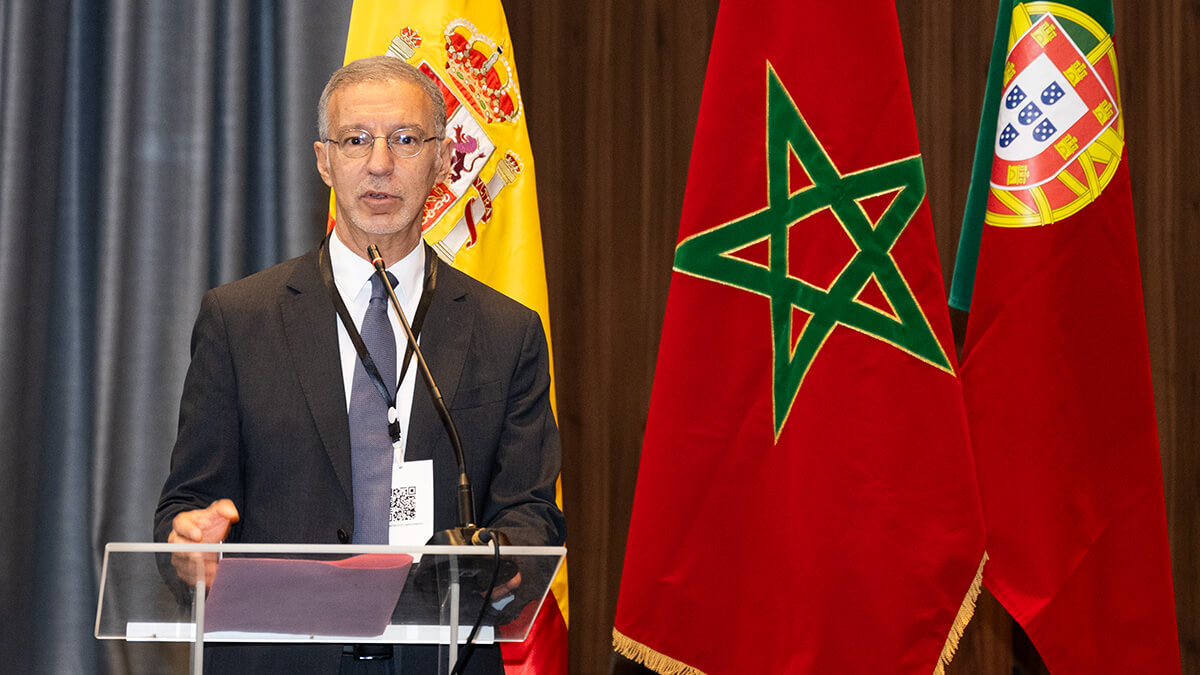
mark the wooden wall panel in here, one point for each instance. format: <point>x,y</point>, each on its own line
<point>946,46</point>
<point>1156,47</point>
<point>612,88</point>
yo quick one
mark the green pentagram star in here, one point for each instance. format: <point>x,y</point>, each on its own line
<point>707,255</point>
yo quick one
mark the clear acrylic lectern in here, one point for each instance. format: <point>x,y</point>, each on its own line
<point>317,593</point>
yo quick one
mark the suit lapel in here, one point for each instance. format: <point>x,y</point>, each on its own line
<point>311,335</point>
<point>445,338</point>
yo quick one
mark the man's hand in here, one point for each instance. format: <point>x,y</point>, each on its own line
<point>201,526</point>
<point>204,526</point>
<point>506,589</point>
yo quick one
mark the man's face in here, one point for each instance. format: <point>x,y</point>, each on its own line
<point>380,194</point>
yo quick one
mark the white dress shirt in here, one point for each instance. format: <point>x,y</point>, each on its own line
<point>352,276</point>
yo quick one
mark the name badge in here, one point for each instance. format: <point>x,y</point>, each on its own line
<point>411,519</point>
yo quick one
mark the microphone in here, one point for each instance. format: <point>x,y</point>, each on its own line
<point>472,572</point>
<point>466,533</point>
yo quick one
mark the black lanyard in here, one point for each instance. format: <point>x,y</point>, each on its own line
<point>389,395</point>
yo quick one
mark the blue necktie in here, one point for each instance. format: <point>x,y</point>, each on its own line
<point>370,444</point>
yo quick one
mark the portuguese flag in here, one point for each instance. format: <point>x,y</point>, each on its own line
<point>1056,372</point>
<point>484,218</point>
<point>806,498</point>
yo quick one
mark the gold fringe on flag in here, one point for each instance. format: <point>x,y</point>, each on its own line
<point>965,612</point>
<point>659,663</point>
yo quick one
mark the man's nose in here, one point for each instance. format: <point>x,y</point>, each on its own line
<point>380,160</point>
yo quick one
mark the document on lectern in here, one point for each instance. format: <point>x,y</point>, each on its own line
<point>353,597</point>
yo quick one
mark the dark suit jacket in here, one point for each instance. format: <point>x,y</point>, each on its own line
<point>263,422</point>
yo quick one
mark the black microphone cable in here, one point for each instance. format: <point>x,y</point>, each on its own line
<point>469,646</point>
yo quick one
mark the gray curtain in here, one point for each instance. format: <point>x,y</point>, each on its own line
<point>148,151</point>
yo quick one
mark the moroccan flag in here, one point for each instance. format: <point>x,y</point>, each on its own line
<point>806,499</point>
<point>1056,372</point>
<point>484,218</point>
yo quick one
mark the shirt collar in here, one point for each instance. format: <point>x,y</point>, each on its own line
<point>352,273</point>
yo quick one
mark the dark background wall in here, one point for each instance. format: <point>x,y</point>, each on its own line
<point>613,87</point>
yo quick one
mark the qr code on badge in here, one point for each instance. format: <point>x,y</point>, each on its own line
<point>404,504</point>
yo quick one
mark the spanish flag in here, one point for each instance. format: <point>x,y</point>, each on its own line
<point>484,218</point>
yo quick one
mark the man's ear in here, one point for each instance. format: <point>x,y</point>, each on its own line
<point>445,154</point>
<point>322,152</point>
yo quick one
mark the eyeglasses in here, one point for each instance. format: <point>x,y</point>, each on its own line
<point>403,143</point>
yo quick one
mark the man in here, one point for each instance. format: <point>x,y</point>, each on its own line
<point>266,451</point>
